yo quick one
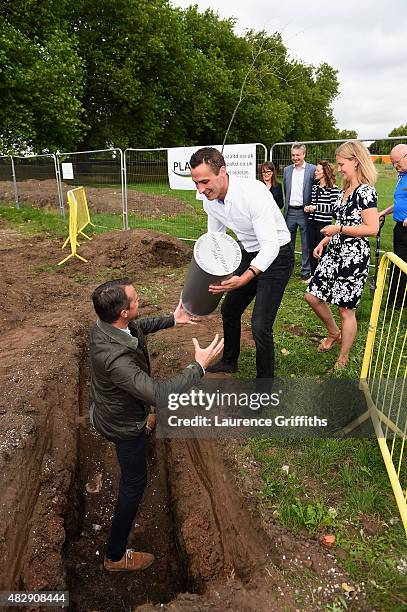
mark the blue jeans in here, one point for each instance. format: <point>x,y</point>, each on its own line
<point>268,289</point>
<point>296,218</point>
<point>131,455</point>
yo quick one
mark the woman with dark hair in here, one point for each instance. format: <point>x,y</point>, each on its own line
<point>269,178</point>
<point>323,195</point>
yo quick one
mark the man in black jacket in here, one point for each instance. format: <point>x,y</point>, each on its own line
<point>121,394</point>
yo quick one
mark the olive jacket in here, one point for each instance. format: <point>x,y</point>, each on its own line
<point>122,389</point>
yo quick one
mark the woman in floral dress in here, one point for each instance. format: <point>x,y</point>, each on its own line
<point>342,272</point>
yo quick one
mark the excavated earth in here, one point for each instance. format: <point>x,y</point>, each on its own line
<point>214,551</point>
<point>44,195</point>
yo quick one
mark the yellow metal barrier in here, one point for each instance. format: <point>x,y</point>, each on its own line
<point>384,374</point>
<point>79,218</point>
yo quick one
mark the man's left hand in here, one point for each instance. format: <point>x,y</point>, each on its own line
<point>181,317</point>
<point>227,285</point>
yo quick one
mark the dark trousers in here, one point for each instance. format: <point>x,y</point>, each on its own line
<point>268,289</point>
<point>399,278</point>
<point>296,217</point>
<point>131,455</point>
<point>314,238</point>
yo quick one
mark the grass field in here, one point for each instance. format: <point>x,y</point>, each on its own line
<point>331,485</point>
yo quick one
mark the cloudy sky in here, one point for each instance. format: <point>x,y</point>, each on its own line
<point>365,40</point>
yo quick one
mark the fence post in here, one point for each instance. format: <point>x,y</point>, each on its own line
<point>123,175</point>
<point>59,184</point>
<point>14,183</point>
<point>260,144</point>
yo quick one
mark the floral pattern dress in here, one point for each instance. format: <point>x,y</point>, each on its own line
<point>342,272</point>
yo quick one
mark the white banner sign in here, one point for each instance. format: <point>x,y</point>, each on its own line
<point>240,161</point>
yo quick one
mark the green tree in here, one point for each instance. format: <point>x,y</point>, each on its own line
<point>346,135</point>
<point>40,78</point>
<point>136,72</point>
<point>399,131</point>
<point>383,147</point>
<point>260,111</point>
<point>146,74</point>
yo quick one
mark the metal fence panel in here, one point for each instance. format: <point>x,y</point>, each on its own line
<point>152,204</point>
<point>8,186</point>
<point>280,154</point>
<point>37,181</point>
<point>384,373</point>
<point>150,201</point>
<point>101,172</point>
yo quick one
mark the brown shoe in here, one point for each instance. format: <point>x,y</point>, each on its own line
<point>130,561</point>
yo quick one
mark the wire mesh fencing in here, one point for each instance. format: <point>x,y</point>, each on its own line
<point>8,185</point>
<point>35,181</point>
<point>153,204</point>
<point>317,150</point>
<point>384,373</point>
<point>101,173</point>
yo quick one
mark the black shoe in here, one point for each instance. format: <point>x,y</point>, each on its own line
<point>305,277</point>
<point>222,366</point>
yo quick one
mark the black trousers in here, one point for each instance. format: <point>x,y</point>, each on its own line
<point>132,458</point>
<point>399,278</point>
<point>314,238</point>
<point>268,289</point>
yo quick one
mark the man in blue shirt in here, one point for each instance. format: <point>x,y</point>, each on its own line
<point>398,157</point>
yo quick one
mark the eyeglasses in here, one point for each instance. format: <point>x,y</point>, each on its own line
<point>267,172</point>
<point>396,163</point>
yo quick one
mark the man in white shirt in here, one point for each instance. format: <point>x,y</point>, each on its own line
<point>247,207</point>
<point>297,181</point>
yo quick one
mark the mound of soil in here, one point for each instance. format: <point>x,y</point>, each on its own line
<point>134,250</point>
<point>145,205</point>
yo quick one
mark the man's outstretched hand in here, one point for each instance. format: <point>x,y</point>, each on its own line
<point>182,317</point>
<point>206,356</point>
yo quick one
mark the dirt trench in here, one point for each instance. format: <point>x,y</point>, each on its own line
<point>192,519</point>
<point>91,502</point>
<point>52,526</point>
<point>213,551</point>
<point>60,493</point>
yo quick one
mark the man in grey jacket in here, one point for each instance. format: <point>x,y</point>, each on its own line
<point>121,393</point>
<point>297,181</point>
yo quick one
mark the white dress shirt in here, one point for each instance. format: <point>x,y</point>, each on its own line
<point>251,212</point>
<point>297,187</point>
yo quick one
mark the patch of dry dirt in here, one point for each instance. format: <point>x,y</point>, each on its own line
<point>213,550</point>
<point>44,194</point>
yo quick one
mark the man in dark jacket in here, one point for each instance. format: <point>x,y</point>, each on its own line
<point>121,393</point>
<point>297,181</point>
